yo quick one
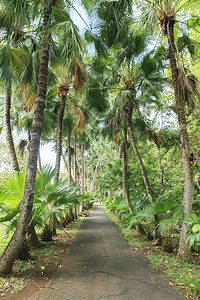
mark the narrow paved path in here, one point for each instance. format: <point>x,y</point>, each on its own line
<point>101,265</point>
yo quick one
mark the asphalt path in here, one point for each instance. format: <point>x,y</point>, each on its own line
<point>101,265</point>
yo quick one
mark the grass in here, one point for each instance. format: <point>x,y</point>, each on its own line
<point>185,276</point>
<point>42,263</point>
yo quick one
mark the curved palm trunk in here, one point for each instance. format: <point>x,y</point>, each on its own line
<point>142,169</point>
<point>58,159</point>
<point>66,165</point>
<point>137,153</point>
<point>16,242</point>
<point>8,132</point>
<point>184,250</point>
<point>125,167</point>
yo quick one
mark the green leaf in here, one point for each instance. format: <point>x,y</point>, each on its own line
<point>196,228</point>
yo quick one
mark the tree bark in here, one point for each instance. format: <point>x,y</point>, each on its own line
<point>142,169</point>
<point>33,238</point>
<point>58,159</point>
<point>8,131</point>
<point>125,167</point>
<point>39,162</point>
<point>95,176</point>
<point>141,165</point>
<point>66,165</point>
<point>83,169</point>
<point>184,250</point>
<point>59,137</point>
<point>69,159</point>
<point>17,239</point>
<point>75,164</point>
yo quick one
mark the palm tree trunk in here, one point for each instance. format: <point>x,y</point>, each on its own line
<point>33,238</point>
<point>8,132</point>
<point>59,137</point>
<point>66,165</point>
<point>39,162</point>
<point>17,239</point>
<point>69,159</point>
<point>162,170</point>
<point>125,167</point>
<point>141,164</point>
<point>142,169</point>
<point>95,176</point>
<point>75,164</point>
<point>52,223</point>
<point>184,250</point>
<point>83,168</point>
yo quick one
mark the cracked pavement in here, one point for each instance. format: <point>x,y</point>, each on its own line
<point>100,265</point>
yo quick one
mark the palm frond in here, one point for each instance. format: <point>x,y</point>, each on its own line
<point>188,87</point>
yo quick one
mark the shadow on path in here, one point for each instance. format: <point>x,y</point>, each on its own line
<point>101,265</point>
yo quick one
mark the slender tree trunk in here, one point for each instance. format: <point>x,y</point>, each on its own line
<point>58,159</point>
<point>16,241</point>
<point>65,162</point>
<point>84,174</point>
<point>59,137</point>
<point>66,165</point>
<point>141,165</point>
<point>142,169</point>
<point>8,132</point>
<point>95,176</point>
<point>125,167</point>
<point>75,176</point>
<point>162,170</point>
<point>75,164</point>
<point>69,159</point>
<point>83,169</point>
<point>86,179</point>
<point>78,169</point>
<point>184,251</point>
<point>39,162</point>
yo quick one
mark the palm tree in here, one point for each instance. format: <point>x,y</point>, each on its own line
<point>184,86</point>
<point>12,62</point>
<point>16,242</point>
<point>125,161</point>
<point>136,79</point>
<point>60,18</point>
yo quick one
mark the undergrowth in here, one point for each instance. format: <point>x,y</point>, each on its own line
<point>42,263</point>
<point>185,276</point>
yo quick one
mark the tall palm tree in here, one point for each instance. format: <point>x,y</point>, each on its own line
<point>184,86</point>
<point>125,161</point>
<point>15,243</point>
<point>135,77</point>
<point>60,18</point>
<point>12,61</point>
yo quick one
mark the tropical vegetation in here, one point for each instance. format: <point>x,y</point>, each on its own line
<point>120,104</point>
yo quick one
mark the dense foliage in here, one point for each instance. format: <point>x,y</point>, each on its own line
<point>121,106</point>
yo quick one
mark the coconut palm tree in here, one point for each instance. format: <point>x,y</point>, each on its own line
<point>185,90</point>
<point>12,61</point>
<point>60,18</point>
<point>16,242</point>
